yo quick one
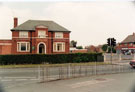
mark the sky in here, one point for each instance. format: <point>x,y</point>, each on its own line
<point>90,22</point>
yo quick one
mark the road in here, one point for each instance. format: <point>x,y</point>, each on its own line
<point>106,83</point>
<point>19,77</point>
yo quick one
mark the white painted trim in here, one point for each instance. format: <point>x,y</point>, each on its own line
<point>5,43</point>
<point>6,39</point>
<point>41,38</point>
<point>38,47</point>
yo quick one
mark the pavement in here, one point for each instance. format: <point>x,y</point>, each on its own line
<point>123,82</point>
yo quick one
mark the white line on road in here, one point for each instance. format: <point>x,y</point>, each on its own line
<point>19,77</point>
<point>7,80</point>
<point>34,79</point>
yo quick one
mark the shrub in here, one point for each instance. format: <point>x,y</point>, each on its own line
<point>50,58</point>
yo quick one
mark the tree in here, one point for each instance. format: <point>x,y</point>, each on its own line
<point>79,47</point>
<point>113,50</point>
<point>73,43</point>
<point>104,47</point>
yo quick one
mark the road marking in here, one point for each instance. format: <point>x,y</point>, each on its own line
<point>87,83</point>
<point>34,79</point>
<point>19,77</point>
<point>7,80</point>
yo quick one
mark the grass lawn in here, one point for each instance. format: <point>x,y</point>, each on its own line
<point>53,65</point>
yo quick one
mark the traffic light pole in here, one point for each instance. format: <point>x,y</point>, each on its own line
<point>111,42</point>
<point>111,54</point>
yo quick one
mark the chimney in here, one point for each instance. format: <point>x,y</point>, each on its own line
<point>15,22</point>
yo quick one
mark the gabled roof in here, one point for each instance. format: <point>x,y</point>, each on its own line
<point>129,39</point>
<point>31,24</point>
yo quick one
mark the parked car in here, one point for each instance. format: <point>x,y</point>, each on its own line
<point>132,63</point>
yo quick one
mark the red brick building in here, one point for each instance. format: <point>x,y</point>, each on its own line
<point>93,48</point>
<point>127,46</point>
<point>35,37</point>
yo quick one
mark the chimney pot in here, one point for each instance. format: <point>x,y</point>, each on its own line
<point>15,22</point>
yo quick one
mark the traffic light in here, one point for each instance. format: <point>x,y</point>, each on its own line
<point>109,41</point>
<point>113,42</point>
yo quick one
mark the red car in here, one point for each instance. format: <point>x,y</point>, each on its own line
<point>132,63</point>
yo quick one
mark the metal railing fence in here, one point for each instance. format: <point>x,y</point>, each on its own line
<point>49,73</point>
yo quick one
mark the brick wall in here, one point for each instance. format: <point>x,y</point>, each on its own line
<point>5,47</point>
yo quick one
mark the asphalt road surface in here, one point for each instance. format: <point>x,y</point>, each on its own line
<point>123,82</point>
<point>12,79</point>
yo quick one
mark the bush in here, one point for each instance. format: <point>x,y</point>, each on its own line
<point>49,58</point>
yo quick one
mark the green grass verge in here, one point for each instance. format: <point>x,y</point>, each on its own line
<point>53,65</point>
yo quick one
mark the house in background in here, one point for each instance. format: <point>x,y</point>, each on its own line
<point>94,49</point>
<point>127,46</point>
<point>36,37</point>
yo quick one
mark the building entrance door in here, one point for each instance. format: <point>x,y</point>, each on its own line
<point>41,49</point>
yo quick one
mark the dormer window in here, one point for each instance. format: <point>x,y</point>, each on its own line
<point>58,34</point>
<point>41,34</point>
<point>23,34</point>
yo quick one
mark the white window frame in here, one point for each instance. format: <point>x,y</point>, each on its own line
<point>23,34</point>
<point>56,50</point>
<point>19,47</point>
<point>58,34</point>
<point>43,35</point>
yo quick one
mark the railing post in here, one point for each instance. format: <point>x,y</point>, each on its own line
<point>104,57</point>
<point>120,57</point>
<point>39,73</point>
<point>95,68</point>
<point>69,70</point>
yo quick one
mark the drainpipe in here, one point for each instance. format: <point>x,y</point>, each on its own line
<point>52,43</point>
<point>30,41</point>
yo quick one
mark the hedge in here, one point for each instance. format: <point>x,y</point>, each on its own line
<point>50,58</point>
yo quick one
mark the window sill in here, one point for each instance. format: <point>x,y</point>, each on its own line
<point>23,37</point>
<point>41,37</point>
<point>58,51</point>
<point>58,37</point>
<point>23,51</point>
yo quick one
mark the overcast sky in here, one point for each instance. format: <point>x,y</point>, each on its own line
<point>90,23</point>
